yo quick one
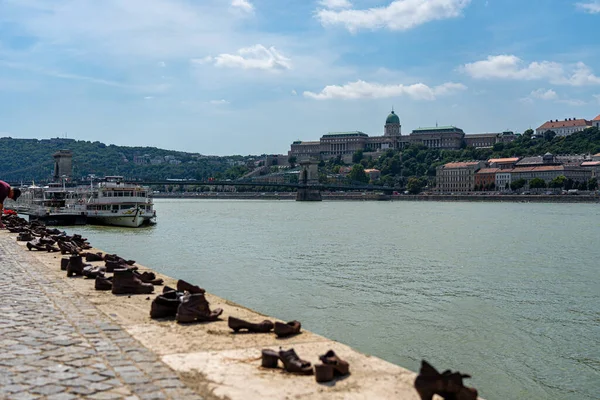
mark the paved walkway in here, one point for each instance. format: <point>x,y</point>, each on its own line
<point>54,344</point>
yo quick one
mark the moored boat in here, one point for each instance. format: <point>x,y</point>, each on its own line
<point>119,203</point>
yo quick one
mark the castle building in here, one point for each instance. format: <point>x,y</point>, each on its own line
<point>334,144</point>
<point>564,128</point>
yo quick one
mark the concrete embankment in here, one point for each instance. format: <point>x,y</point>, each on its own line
<point>359,196</point>
<point>207,357</point>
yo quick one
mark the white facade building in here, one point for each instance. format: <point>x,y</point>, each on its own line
<point>564,128</point>
<point>503,180</point>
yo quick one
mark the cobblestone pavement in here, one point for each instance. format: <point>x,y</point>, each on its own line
<point>56,345</point>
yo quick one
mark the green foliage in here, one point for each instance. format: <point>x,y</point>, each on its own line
<point>292,161</point>
<point>31,159</point>
<point>549,135</point>
<point>357,174</point>
<point>518,184</point>
<point>557,182</point>
<point>537,183</point>
<point>357,156</point>
<point>419,161</point>
<point>415,185</point>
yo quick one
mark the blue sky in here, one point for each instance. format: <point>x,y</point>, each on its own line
<point>251,76</point>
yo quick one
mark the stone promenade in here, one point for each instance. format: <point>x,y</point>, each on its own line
<point>61,339</point>
<point>55,344</point>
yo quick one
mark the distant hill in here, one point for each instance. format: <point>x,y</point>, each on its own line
<point>31,159</point>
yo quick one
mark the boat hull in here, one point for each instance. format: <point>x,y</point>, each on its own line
<point>113,220</point>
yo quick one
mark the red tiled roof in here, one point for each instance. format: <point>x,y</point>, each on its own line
<point>461,164</point>
<point>539,169</point>
<point>597,118</point>
<point>488,171</point>
<point>563,124</point>
<point>503,160</point>
<point>590,163</point>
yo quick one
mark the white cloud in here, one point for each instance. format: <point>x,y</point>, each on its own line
<point>243,5</point>
<point>335,4</point>
<point>550,95</point>
<point>572,102</point>
<point>544,94</point>
<point>162,64</point>
<point>592,7</point>
<point>361,89</point>
<point>597,97</point>
<point>254,57</point>
<point>155,29</point>
<point>399,15</point>
<point>512,67</point>
<point>294,93</point>
<point>148,97</point>
<point>203,60</point>
<point>219,102</point>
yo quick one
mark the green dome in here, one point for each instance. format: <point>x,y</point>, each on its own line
<point>392,119</point>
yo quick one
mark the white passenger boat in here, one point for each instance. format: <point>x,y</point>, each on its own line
<point>53,204</point>
<point>116,202</point>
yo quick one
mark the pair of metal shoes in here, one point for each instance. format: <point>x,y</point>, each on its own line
<point>448,385</point>
<point>331,365</point>
<point>187,303</point>
<point>281,329</point>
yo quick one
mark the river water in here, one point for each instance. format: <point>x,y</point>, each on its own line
<point>508,292</point>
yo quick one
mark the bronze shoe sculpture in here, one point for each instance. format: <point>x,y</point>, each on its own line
<point>148,277</point>
<point>331,366</point>
<point>125,282</point>
<point>103,283</point>
<point>195,307</point>
<point>75,266</point>
<point>35,244</point>
<point>448,385</point>
<point>89,257</point>
<point>288,329</point>
<point>63,263</point>
<point>92,272</point>
<point>52,248</point>
<point>183,286</point>
<point>289,358</point>
<point>237,324</point>
<point>165,305</point>
<point>24,237</point>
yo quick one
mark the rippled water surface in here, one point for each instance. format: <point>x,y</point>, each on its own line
<point>507,292</point>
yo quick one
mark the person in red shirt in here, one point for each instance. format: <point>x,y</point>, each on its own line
<point>6,191</point>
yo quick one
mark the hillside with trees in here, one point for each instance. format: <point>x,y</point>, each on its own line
<point>31,159</point>
<point>419,162</point>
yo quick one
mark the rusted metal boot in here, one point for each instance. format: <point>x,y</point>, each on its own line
<point>24,237</point>
<point>448,385</point>
<point>103,283</point>
<point>195,307</point>
<point>63,263</point>
<point>125,282</point>
<point>165,305</point>
<point>75,266</point>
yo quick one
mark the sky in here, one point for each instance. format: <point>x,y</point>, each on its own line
<point>225,77</point>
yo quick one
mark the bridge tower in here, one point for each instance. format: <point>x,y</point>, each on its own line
<point>309,178</point>
<point>63,165</point>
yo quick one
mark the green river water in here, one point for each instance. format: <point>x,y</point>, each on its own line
<point>507,292</point>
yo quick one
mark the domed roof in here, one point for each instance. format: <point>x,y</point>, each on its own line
<point>392,118</point>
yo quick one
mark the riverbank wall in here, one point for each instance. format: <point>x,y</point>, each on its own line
<point>366,196</point>
<point>206,358</point>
